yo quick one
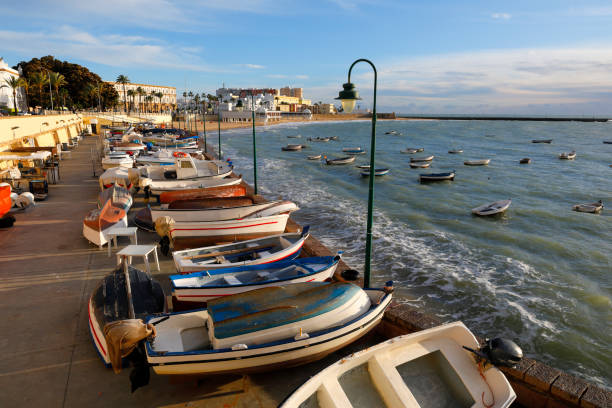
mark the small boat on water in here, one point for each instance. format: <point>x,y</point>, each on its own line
<point>568,155</point>
<point>340,160</point>
<point>481,162</point>
<point>412,150</point>
<point>253,252</point>
<point>264,328</point>
<point>421,159</point>
<point>292,147</point>
<point>542,141</point>
<point>393,132</point>
<point>333,138</point>
<point>525,160</point>
<point>589,208</point>
<point>450,176</point>
<point>444,366</point>
<point>607,141</point>
<point>420,165</point>
<point>315,157</point>
<point>353,151</point>
<point>206,285</point>
<point>377,172</point>
<point>202,193</point>
<point>294,136</point>
<point>319,139</point>
<point>493,208</point>
<point>99,221</point>
<point>455,151</point>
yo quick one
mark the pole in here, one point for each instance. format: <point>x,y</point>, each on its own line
<point>50,90</point>
<point>99,105</point>
<point>219,124</point>
<point>204,124</point>
<point>254,146</point>
<point>368,254</point>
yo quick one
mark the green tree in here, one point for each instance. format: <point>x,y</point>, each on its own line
<point>159,95</point>
<point>14,83</point>
<point>38,80</point>
<point>123,80</point>
<point>148,100</point>
<point>140,93</point>
<point>57,80</point>
<point>131,93</point>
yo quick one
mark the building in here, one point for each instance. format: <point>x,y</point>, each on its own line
<point>6,93</point>
<point>295,92</point>
<point>136,103</point>
<point>323,108</point>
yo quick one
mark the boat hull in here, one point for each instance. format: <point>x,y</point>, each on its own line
<point>202,193</point>
<point>158,187</point>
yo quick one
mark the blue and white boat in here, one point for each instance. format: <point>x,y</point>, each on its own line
<point>206,285</point>
<point>353,150</point>
<point>269,328</point>
<point>377,172</point>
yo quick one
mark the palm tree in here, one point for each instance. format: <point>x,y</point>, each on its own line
<point>38,80</point>
<point>140,92</point>
<point>122,79</point>
<point>25,84</point>
<point>131,93</point>
<point>148,99</point>
<point>14,83</point>
<point>159,95</point>
<point>91,90</point>
<point>57,80</point>
<point>190,95</point>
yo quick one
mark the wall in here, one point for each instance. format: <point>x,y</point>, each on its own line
<point>38,130</point>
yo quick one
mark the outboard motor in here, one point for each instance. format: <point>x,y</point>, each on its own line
<point>499,352</point>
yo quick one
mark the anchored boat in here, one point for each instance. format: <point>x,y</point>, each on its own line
<point>493,208</point>
<point>340,160</point>
<point>437,177</point>
<point>589,208</point>
<point>421,159</point>
<point>377,172</point>
<point>568,155</point>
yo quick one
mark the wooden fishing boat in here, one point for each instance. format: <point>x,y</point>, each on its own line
<point>363,166</point>
<point>5,199</point>
<point>340,160</point>
<point>481,162</point>
<point>198,213</point>
<point>355,151</point>
<point>156,187</point>
<point>314,157</point>
<point>589,208</point>
<point>542,141</point>
<point>377,172</point>
<point>420,165</point>
<point>263,329</point>
<point>128,147</point>
<point>117,160</point>
<point>109,302</point>
<point>439,367</point>
<point>202,193</point>
<point>294,136</point>
<point>392,132</point>
<point>411,150</point>
<point>455,151</point>
<point>568,155</point>
<point>607,141</point>
<point>292,147</point>
<point>437,177</point>
<point>120,176</point>
<point>421,159</point>
<point>493,208</point>
<point>99,221</point>
<point>525,160</point>
<point>186,168</point>
<point>319,139</point>
<point>119,197</point>
<point>252,252</point>
<point>206,285</point>
<point>199,233</point>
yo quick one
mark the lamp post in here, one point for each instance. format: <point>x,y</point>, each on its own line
<point>349,96</point>
<point>254,145</point>
<point>219,125</point>
<point>205,106</point>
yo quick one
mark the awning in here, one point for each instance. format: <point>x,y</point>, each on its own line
<point>41,155</point>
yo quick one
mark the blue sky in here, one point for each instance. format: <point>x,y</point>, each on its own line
<point>478,57</point>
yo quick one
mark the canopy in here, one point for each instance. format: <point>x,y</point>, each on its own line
<point>40,155</point>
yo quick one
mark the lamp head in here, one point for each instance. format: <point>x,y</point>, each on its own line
<point>348,96</point>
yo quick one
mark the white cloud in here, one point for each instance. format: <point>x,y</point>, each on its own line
<point>254,66</point>
<point>501,16</point>
<point>301,76</point>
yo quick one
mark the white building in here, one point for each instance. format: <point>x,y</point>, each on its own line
<point>168,100</point>
<point>6,93</point>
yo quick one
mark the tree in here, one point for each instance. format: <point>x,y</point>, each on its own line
<point>123,80</point>
<point>14,83</point>
<point>38,80</point>
<point>131,93</point>
<point>148,100</point>
<point>57,80</point>
<point>25,84</point>
<point>140,92</point>
<point>159,95</point>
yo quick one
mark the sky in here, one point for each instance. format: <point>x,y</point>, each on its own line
<point>517,57</point>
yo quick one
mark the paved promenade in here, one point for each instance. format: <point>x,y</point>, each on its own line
<point>47,273</point>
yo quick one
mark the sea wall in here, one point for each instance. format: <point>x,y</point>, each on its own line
<point>38,130</point>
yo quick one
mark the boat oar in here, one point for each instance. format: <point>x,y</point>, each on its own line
<point>228,252</point>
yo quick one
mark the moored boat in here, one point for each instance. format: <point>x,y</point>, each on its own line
<point>119,197</point>
<point>481,162</point>
<point>377,172</point>
<point>340,160</point>
<point>117,160</point>
<point>542,141</point>
<point>450,176</point>
<point>455,151</point>
<point>589,208</point>
<point>98,222</point>
<point>525,160</point>
<point>314,157</point>
<point>157,187</point>
<point>292,147</point>
<point>191,212</point>
<point>420,165</point>
<point>206,285</point>
<point>421,159</point>
<point>568,155</point>
<point>202,193</point>
<point>493,208</point>
<point>319,139</point>
<point>439,367</point>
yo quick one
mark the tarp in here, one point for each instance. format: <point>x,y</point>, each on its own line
<point>123,336</point>
<point>40,155</point>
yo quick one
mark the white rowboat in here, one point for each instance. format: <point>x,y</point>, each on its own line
<point>589,208</point>
<point>496,207</point>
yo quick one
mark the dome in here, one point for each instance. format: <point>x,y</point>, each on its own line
<point>307,111</point>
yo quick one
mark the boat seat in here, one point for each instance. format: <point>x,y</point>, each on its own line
<point>232,280</point>
<point>263,254</point>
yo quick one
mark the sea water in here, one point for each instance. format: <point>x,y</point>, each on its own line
<point>540,274</point>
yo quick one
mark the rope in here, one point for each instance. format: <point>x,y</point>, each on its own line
<point>481,372</point>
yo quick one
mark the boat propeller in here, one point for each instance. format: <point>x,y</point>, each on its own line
<point>499,352</point>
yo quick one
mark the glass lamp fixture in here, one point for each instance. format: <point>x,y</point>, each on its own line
<point>349,97</point>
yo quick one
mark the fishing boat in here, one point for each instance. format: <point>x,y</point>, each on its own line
<point>157,187</point>
<point>314,157</point>
<point>199,233</point>
<point>455,151</point>
<point>263,329</point>
<point>333,138</point>
<point>481,162</point>
<point>292,147</point>
<point>109,302</point>
<point>392,132</point>
<point>412,150</point>
<point>542,141</point>
<point>437,176</point>
<point>340,160</point>
<point>119,197</point>
<point>421,159</point>
<point>162,157</point>
<point>377,172</point>
<point>607,141</point>
<point>525,160</point>
<point>445,366</point>
<point>119,176</point>
<point>98,222</point>
<point>202,193</point>
<point>493,208</point>
<point>206,285</point>
<point>319,139</point>
<point>589,208</point>
<point>420,165</point>
<point>252,252</point>
<point>186,167</point>
<point>294,136</point>
<point>117,160</point>
<point>363,166</point>
<point>5,199</point>
<point>193,212</point>
<point>568,155</point>
<point>353,151</point>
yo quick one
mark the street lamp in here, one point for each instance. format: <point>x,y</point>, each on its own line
<point>349,96</point>
<point>254,146</point>
<point>219,124</point>
<point>204,125</point>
